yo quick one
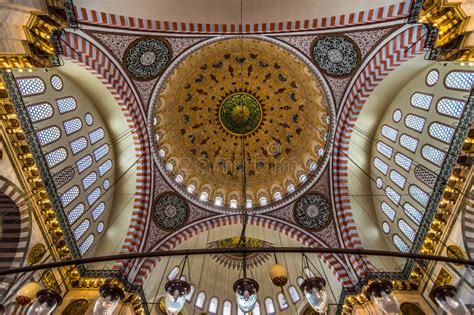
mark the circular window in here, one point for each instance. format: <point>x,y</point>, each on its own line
<point>89,119</point>
<point>56,83</point>
<point>432,77</point>
<point>100,227</point>
<point>386,227</point>
<point>397,115</point>
<point>106,184</point>
<point>379,182</point>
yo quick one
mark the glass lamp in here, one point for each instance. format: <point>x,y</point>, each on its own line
<point>108,299</point>
<point>315,293</point>
<point>27,293</point>
<point>246,290</point>
<point>381,294</point>
<point>446,298</point>
<point>278,275</point>
<point>45,303</point>
<point>176,291</point>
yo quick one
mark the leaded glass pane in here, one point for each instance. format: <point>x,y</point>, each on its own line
<point>389,212</point>
<point>459,80</point>
<point>39,111</point>
<point>433,155</point>
<point>408,142</point>
<point>30,86</point>
<point>81,229</point>
<point>73,125</point>
<point>384,149</point>
<point>200,300</point>
<point>386,227</point>
<point>86,245</point>
<point>403,161</point>
<point>101,151</point>
<point>389,133</point>
<point>419,195</point>
<point>56,83</point>
<point>75,213</point>
<point>173,273</point>
<point>294,295</point>
<point>425,176</point>
<point>392,195</point>
<point>398,178</point>
<point>213,304</point>
<point>269,306</point>
<point>93,196</point>
<point>84,163</point>
<point>48,135</point>
<point>400,244</point>
<point>89,180</point>
<point>89,119</point>
<point>97,212</point>
<point>78,145</point>
<point>100,227</point>
<point>282,301</point>
<point>421,100</point>
<point>441,132</point>
<point>227,308</point>
<point>381,166</point>
<point>105,167</point>
<point>406,229</point>
<point>96,135</point>
<point>55,157</point>
<point>451,107</point>
<point>66,104</point>
<point>412,213</point>
<point>432,77</point>
<point>415,122</point>
<point>69,196</point>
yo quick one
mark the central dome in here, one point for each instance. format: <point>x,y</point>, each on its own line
<point>234,90</point>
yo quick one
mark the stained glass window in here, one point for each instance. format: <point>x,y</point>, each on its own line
<point>400,244</point>
<point>419,195</point>
<point>227,308</point>
<point>397,115</point>
<point>48,135</point>
<point>87,244</point>
<point>89,180</point>
<point>173,273</point>
<point>412,213</point>
<point>450,107</point>
<point>425,176</point>
<point>191,188</point>
<point>432,77</point>
<point>415,122</point>
<point>189,297</point>
<point>389,212</point>
<point>89,119</point>
<point>277,195</point>
<point>106,184</point>
<point>69,196</point>
<point>398,178</point>
<point>392,195</point>
<point>31,86</point>
<point>433,155</point>
<point>93,196</point>
<point>403,161</point>
<point>84,163</point>
<point>66,104</point>
<point>384,149</point>
<point>218,201</point>
<point>459,80</point>
<point>256,309</point>
<point>408,142</point>
<point>96,135</point>
<point>389,133</point>
<point>105,167</point>
<point>386,227</point>
<point>263,201</point>
<point>269,306</point>
<point>101,151</point>
<point>56,83</point>
<point>213,304</point>
<point>282,301</point>
<point>78,145</point>
<point>200,300</point>
<point>204,196</point>
<point>294,295</point>
<point>100,227</point>
<point>98,210</point>
<point>381,166</point>
<point>421,100</point>
<point>55,157</point>
<point>75,213</point>
<point>39,111</point>
<point>81,229</point>
<point>73,125</point>
<point>406,229</point>
<point>441,132</point>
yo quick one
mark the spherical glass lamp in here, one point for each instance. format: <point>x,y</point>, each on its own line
<point>27,293</point>
<point>108,299</point>
<point>446,298</point>
<point>176,291</point>
<point>246,290</point>
<point>315,293</point>
<point>279,275</point>
<point>381,294</point>
<point>45,303</point>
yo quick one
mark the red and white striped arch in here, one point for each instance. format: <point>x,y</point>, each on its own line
<point>98,63</point>
<point>334,263</point>
<point>401,48</point>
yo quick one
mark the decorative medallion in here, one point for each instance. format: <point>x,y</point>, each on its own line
<point>233,260</point>
<point>240,113</point>
<point>146,59</point>
<point>336,55</point>
<point>170,211</point>
<point>312,211</point>
<point>76,307</point>
<point>453,251</point>
<point>408,308</point>
<point>36,253</point>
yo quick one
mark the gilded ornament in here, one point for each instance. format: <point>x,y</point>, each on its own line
<point>453,251</point>
<point>36,253</point>
<point>240,113</point>
<point>76,307</point>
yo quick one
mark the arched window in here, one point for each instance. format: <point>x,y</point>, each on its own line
<point>398,178</point>
<point>201,300</point>
<point>441,132</point>
<point>84,163</point>
<point>256,309</point>
<point>191,189</point>
<point>93,196</point>
<point>408,142</point>
<point>294,295</point>
<point>299,280</point>
<point>233,203</point>
<point>459,80</point>
<point>227,308</point>
<point>249,203</point>
<point>101,151</point>
<point>388,211</point>
<point>105,167</point>
<point>190,294</point>
<point>81,229</point>
<point>56,83</point>
<point>415,122</point>
<point>173,273</point>
<point>55,157</point>
<point>89,119</point>
<point>213,304</point>
<point>403,161</point>
<point>78,145</point>
<point>89,180</point>
<point>392,195</point>
<point>31,86</point>
<point>269,306</point>
<point>277,195</point>
<point>450,107</point>
<point>73,125</point>
<point>400,244</point>
<point>69,196</point>
<point>421,100</point>
<point>290,188</point>
<point>100,227</point>
<point>204,196</point>
<point>381,166</point>
<point>302,178</point>
<point>308,273</point>
<point>97,212</point>
<point>379,182</point>
<point>389,133</point>
<point>218,201</point>
<point>412,213</point>
<point>66,104</point>
<point>48,135</point>
<point>397,115</point>
<point>419,195</point>
<point>425,176</point>
<point>179,178</point>
<point>41,111</point>
<point>87,244</point>
<point>384,149</point>
<point>263,201</point>
<point>406,229</point>
<point>433,155</point>
<point>386,227</point>
<point>106,184</point>
<point>96,135</point>
<point>282,301</point>
<point>75,213</point>
<point>432,77</point>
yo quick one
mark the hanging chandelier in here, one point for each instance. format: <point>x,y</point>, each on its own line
<point>176,292</point>
<point>446,297</point>
<point>45,303</point>
<point>109,297</point>
<point>381,294</point>
<point>314,289</point>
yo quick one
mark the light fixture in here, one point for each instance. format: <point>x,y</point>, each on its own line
<point>447,299</point>
<point>27,293</point>
<point>279,275</point>
<point>381,294</point>
<point>45,303</point>
<point>316,295</point>
<point>246,291</point>
<point>176,292</point>
<point>108,299</point>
